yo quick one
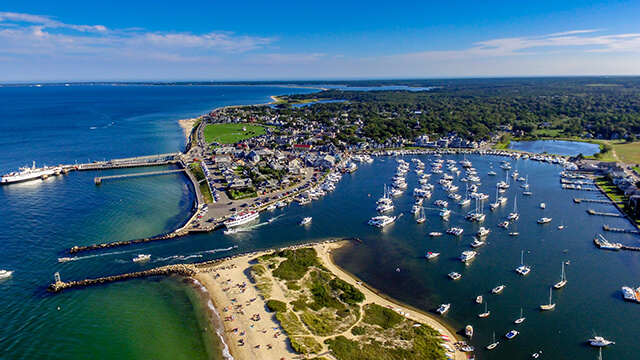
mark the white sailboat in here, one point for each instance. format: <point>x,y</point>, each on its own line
<point>523,269</point>
<point>423,217</point>
<point>494,343</point>
<point>514,215</point>
<point>520,320</point>
<point>486,312</point>
<point>563,280</point>
<point>550,306</point>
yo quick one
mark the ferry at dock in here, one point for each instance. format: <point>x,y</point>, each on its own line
<point>241,219</point>
<point>30,173</point>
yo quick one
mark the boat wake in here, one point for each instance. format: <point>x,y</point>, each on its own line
<point>76,258</point>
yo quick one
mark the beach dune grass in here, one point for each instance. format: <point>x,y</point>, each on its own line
<point>232,133</point>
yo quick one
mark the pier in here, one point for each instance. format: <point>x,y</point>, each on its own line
<point>593,212</point>
<point>598,201</point>
<point>99,180</point>
<point>618,230</point>
<point>578,187</point>
<point>141,161</point>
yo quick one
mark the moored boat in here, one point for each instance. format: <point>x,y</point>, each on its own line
<point>498,289</point>
<point>443,308</point>
<point>432,255</point>
<point>511,334</point>
<point>468,330</point>
<point>306,220</point>
<point>5,274</point>
<point>599,341</point>
<point>454,275</point>
<point>549,306</point>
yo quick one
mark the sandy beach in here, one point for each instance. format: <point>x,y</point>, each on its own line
<point>187,126</point>
<point>252,332</point>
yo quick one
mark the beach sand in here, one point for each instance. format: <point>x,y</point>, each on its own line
<point>240,307</point>
<point>187,126</point>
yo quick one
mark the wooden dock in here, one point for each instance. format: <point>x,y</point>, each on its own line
<point>99,180</point>
<point>618,230</point>
<point>600,213</point>
<point>598,201</point>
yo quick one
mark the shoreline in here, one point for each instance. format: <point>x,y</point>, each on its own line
<point>247,338</point>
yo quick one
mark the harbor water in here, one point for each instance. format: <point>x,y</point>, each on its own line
<point>164,318</point>
<point>556,147</point>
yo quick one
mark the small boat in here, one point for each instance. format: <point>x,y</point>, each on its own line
<point>504,224</point>
<point>444,212</point>
<point>65,259</point>
<point>563,280</point>
<point>142,257</point>
<point>306,220</point>
<point>486,312</point>
<point>271,220</point>
<point>468,330</point>
<point>544,220</point>
<point>435,233</point>
<point>454,275</point>
<point>511,334</point>
<point>467,256</point>
<point>550,306</point>
<point>230,231</point>
<point>494,343</point>
<point>432,255</point>
<point>543,206</point>
<point>498,289</point>
<point>599,341</point>
<point>272,207</point>
<point>527,193</point>
<point>479,299</point>
<point>483,231</point>
<point>521,319</point>
<point>443,308</point>
<point>535,355</point>
<point>628,294</point>
<point>456,231</point>
<point>5,274</point>
<point>477,243</point>
<point>523,269</point>
<point>492,173</point>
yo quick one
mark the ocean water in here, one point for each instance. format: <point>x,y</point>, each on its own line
<point>164,318</point>
<point>556,147</point>
<point>140,319</point>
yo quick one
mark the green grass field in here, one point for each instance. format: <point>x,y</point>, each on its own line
<point>231,133</point>
<point>629,153</point>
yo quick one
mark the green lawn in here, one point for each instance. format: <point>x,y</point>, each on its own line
<point>629,153</point>
<point>231,133</point>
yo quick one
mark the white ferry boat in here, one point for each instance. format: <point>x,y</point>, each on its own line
<point>241,219</point>
<point>30,173</point>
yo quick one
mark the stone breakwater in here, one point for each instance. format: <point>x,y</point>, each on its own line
<point>188,270</point>
<point>171,235</point>
<point>182,269</point>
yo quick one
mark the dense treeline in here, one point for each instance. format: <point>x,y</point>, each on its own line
<point>475,108</point>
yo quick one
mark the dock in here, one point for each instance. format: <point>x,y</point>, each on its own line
<point>600,213</point>
<point>598,201</point>
<point>578,187</point>
<point>141,161</point>
<point>618,230</point>
<point>599,244</point>
<point>99,180</point>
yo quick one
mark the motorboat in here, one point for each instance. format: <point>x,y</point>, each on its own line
<point>444,212</point>
<point>511,334</point>
<point>467,256</point>
<point>455,231</point>
<point>479,299</point>
<point>468,330</point>
<point>142,257</point>
<point>306,220</point>
<point>454,275</point>
<point>477,243</point>
<point>498,289</point>
<point>443,308</point>
<point>5,274</point>
<point>543,206</point>
<point>504,224</point>
<point>483,231</point>
<point>272,207</point>
<point>627,293</point>
<point>432,255</point>
<point>435,234</point>
<point>544,220</point>
<point>599,341</point>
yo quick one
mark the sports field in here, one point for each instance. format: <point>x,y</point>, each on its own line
<point>231,133</point>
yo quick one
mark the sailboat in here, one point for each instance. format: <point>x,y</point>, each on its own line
<point>514,215</point>
<point>496,204</point>
<point>526,184</point>
<point>494,343</point>
<point>515,231</point>
<point>561,225</point>
<point>523,269</point>
<point>486,311</point>
<point>520,320</point>
<point>550,306</point>
<point>563,280</point>
<point>422,218</point>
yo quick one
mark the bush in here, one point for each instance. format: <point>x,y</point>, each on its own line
<point>350,294</point>
<point>276,306</point>
<point>297,263</point>
<point>381,316</point>
<point>358,330</point>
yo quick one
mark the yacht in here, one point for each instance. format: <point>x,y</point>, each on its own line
<point>483,231</point>
<point>382,221</point>
<point>494,343</point>
<point>498,289</point>
<point>5,274</point>
<point>521,319</point>
<point>599,341</point>
<point>304,201</point>
<point>602,243</point>
<point>432,255</point>
<point>563,280</point>
<point>455,231</point>
<point>454,275</point>
<point>444,212</point>
<point>241,219</point>
<point>550,306</point>
<point>511,334</point>
<point>544,220</point>
<point>543,206</point>
<point>385,207</point>
<point>477,243</point>
<point>627,293</point>
<point>443,308</point>
<point>306,220</point>
<point>142,257</point>
<point>467,256</point>
<point>492,173</point>
<point>523,269</point>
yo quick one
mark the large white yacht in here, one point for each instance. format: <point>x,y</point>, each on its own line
<point>241,219</point>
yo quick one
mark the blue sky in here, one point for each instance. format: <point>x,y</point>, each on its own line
<point>286,40</point>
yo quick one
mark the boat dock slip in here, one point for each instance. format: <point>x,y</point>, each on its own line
<point>578,187</point>
<point>99,180</point>
<point>598,201</point>
<point>182,269</point>
<point>593,212</point>
<point>626,231</point>
<point>598,243</point>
